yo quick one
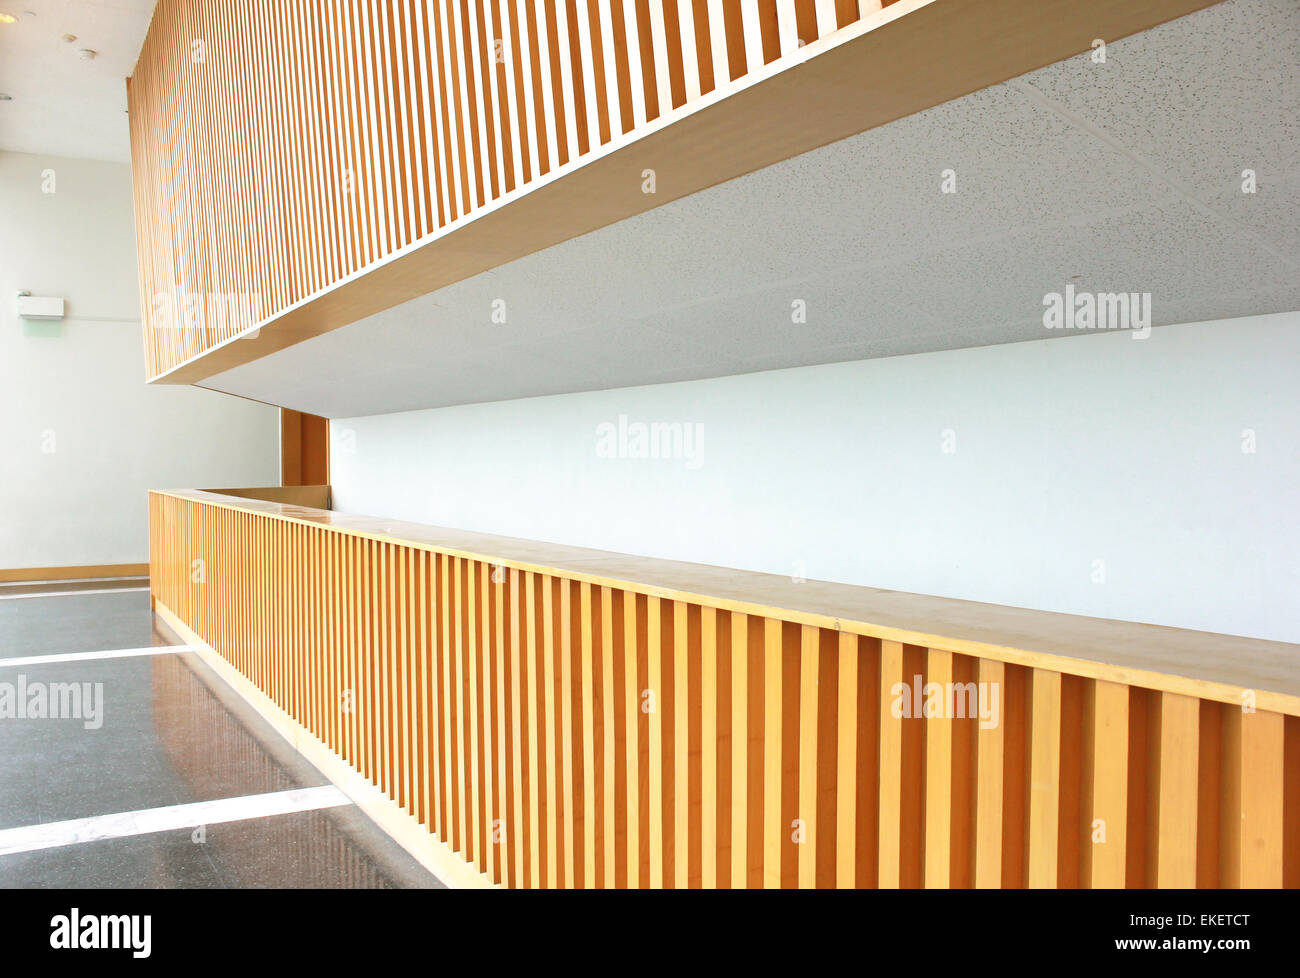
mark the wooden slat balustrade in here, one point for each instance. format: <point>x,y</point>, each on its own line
<point>560,717</point>
<point>326,136</point>
<point>301,165</point>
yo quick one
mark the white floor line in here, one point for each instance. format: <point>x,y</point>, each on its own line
<point>51,835</point>
<point>45,660</point>
<point>66,594</point>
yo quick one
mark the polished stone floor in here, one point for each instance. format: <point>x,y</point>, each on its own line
<point>154,731</point>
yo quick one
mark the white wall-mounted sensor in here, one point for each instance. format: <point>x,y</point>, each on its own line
<point>38,307</point>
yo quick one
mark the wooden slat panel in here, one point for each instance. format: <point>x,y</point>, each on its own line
<point>315,142</point>
<point>556,731</point>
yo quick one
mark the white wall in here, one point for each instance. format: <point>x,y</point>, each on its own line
<point>78,387</point>
<point>1098,447</point>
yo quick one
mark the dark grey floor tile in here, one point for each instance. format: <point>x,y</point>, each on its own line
<point>172,732</point>
<point>327,849</point>
<point>77,623</point>
<point>165,738</point>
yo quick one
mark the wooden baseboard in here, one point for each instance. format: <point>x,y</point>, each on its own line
<point>432,853</point>
<point>90,572</point>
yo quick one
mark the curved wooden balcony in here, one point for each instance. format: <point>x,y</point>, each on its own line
<point>299,167</point>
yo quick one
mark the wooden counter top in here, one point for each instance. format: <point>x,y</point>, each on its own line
<point>1194,663</point>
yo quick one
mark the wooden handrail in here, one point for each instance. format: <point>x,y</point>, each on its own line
<point>554,716</point>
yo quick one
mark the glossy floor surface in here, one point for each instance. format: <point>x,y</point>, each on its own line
<point>119,742</point>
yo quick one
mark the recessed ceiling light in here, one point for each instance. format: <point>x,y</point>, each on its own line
<point>69,38</point>
<point>6,97</point>
<point>85,54</point>
<point>7,18</point>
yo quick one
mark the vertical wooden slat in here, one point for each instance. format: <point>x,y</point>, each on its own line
<point>740,802</point>
<point>549,106</point>
<point>568,742</point>
<point>428,700</point>
<point>1291,804</point>
<point>564,61</point>
<point>900,784</point>
<point>1253,817</point>
<point>989,787</point>
<point>609,699</point>
<point>1045,779</point>
<point>681,763</point>
<point>609,51</point>
<point>632,50</point>
<point>487,718</point>
<point>1179,783</point>
<point>474,707</point>
<point>589,701</point>
<point>948,744</point>
<point>549,653</point>
<point>1105,823</point>
<point>659,48</point>
<point>531,584</point>
<point>809,662</point>
<point>518,665</point>
<point>480,95</point>
<point>846,757</point>
<point>773,828</point>
<point>708,696</point>
<point>508,835</point>
<point>654,733</point>
<point>632,720</point>
<point>451,835</point>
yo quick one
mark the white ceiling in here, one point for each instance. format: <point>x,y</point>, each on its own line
<point>1116,177</point>
<point>63,105</point>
